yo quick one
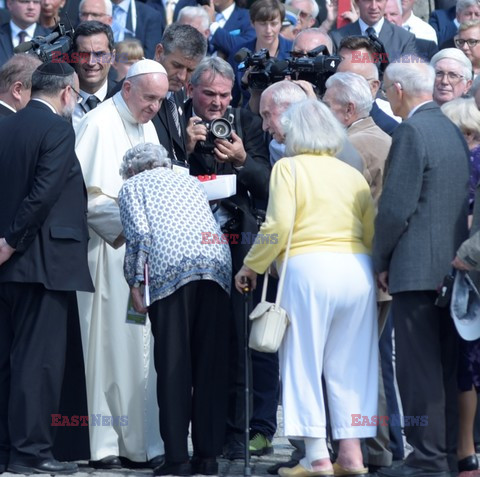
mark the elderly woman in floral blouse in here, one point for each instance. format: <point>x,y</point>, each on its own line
<point>165,214</point>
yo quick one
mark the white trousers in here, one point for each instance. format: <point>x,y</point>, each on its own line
<point>330,299</point>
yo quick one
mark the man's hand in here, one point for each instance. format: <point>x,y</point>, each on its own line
<point>245,277</point>
<point>196,131</point>
<point>461,265</point>
<point>233,152</point>
<point>5,251</point>
<point>137,300</point>
<point>382,281</point>
<point>307,88</point>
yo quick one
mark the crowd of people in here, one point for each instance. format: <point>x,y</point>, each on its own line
<point>372,165</point>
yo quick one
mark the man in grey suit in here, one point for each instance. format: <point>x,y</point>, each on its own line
<point>421,222</point>
<point>395,39</point>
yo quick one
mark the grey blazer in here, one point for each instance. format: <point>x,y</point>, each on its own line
<point>422,212</point>
<point>396,40</point>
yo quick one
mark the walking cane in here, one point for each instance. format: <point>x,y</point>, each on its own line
<point>247,472</point>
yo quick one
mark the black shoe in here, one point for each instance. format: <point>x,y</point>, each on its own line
<point>404,470</point>
<point>109,462</point>
<point>234,450</point>
<point>374,469</point>
<point>169,468</point>
<point>468,463</point>
<point>273,469</point>
<point>156,461</point>
<point>47,466</point>
<point>204,466</point>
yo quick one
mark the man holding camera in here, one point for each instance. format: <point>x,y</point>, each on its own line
<point>244,154</point>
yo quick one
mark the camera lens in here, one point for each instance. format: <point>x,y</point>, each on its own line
<point>221,128</point>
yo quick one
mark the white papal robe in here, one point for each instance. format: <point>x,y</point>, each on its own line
<point>121,379</point>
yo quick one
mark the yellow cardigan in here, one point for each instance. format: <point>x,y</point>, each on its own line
<point>334,211</point>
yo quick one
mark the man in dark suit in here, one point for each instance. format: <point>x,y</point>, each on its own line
<point>180,51</point>
<point>396,40</point>
<point>16,82</point>
<point>421,222</point>
<point>43,261</point>
<point>21,27</point>
<point>134,19</point>
<point>246,156</point>
<point>92,57</point>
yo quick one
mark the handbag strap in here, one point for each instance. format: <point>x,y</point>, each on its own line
<point>287,251</point>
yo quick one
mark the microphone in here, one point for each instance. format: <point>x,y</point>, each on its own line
<point>23,47</point>
<point>241,54</point>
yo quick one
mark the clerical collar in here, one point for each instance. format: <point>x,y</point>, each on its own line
<point>377,27</point>
<point>122,108</point>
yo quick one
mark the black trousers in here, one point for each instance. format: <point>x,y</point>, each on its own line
<point>190,328</point>
<point>427,353</point>
<point>33,333</point>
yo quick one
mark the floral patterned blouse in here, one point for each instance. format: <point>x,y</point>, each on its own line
<point>165,215</point>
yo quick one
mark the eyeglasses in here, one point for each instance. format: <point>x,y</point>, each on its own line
<point>79,96</point>
<point>26,2</point>
<point>471,42</point>
<point>453,78</point>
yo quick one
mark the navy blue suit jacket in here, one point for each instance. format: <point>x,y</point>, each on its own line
<point>442,22</point>
<point>150,26</point>
<point>6,46</point>
<point>396,40</point>
<point>382,119</point>
<point>238,29</point>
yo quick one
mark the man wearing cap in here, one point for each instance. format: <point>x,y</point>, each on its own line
<point>43,261</point>
<point>121,380</point>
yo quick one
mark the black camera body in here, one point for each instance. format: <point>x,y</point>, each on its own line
<point>316,67</point>
<point>51,47</point>
<point>220,128</point>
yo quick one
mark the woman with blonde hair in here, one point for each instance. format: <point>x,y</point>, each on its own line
<point>329,291</point>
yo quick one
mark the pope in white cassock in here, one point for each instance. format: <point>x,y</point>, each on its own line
<point>121,379</point>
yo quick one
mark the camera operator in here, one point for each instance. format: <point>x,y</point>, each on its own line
<point>244,154</point>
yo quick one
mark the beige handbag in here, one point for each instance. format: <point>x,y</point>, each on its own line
<point>270,320</point>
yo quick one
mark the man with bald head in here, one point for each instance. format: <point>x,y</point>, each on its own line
<point>112,340</point>
<point>352,49</point>
<point>421,222</point>
<point>309,39</point>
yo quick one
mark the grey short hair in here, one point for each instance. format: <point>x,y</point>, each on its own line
<point>284,93</point>
<point>416,77</point>
<point>314,5</point>
<point>463,112</point>
<point>108,7</point>
<point>467,25</point>
<point>143,157</point>
<point>464,4</point>
<point>194,12</point>
<point>327,41</point>
<point>19,67</point>
<point>457,55</point>
<point>214,65</point>
<point>311,128</point>
<point>186,39</point>
<point>352,88</point>
<point>50,85</point>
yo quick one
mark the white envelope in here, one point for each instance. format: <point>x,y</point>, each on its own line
<point>221,187</point>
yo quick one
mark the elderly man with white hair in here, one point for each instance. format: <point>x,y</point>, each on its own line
<point>197,17</point>
<point>121,379</point>
<point>421,222</point>
<point>453,75</point>
<point>99,10</point>
<point>348,96</point>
